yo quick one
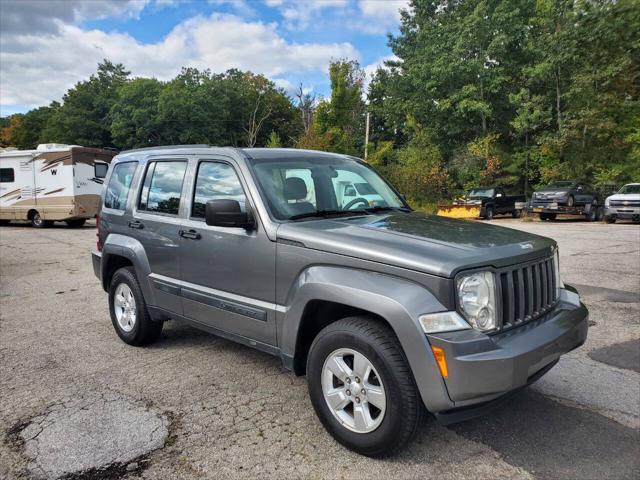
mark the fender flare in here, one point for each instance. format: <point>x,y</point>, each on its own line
<point>131,249</point>
<point>399,301</point>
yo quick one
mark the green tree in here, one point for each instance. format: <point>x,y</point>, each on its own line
<point>84,118</point>
<point>274,141</point>
<point>135,121</point>
<point>340,120</point>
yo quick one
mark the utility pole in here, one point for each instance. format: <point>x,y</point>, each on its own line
<point>366,138</point>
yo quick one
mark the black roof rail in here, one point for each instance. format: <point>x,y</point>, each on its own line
<point>167,147</point>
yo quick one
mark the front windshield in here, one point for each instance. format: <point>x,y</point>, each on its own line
<point>303,186</point>
<point>481,192</point>
<point>632,188</point>
<point>560,184</point>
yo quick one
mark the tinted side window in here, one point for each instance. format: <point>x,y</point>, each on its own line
<point>216,181</point>
<point>119,183</point>
<point>6,175</point>
<point>100,170</point>
<point>163,187</point>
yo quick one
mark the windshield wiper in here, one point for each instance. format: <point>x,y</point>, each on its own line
<point>325,213</point>
<point>379,208</point>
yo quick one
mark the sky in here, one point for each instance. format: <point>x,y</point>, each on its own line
<point>46,46</point>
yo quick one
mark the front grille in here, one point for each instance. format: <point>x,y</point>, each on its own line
<point>625,203</point>
<point>526,292</point>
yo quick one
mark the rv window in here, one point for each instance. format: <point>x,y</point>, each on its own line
<point>163,187</point>
<point>6,175</point>
<point>118,188</point>
<point>100,170</point>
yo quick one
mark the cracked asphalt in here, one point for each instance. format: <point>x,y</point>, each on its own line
<point>197,406</point>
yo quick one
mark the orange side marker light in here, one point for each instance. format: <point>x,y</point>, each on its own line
<point>441,360</point>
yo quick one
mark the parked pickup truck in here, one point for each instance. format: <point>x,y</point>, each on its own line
<point>623,205</point>
<point>485,202</point>
<point>388,312</point>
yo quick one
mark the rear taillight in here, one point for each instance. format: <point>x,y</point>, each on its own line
<point>98,241</point>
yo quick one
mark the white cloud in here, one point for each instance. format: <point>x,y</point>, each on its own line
<point>45,16</point>
<point>380,16</point>
<point>299,15</point>
<point>37,68</point>
<point>371,69</point>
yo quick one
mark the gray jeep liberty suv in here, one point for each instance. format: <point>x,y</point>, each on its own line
<point>384,309</point>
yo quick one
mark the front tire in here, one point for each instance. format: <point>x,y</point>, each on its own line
<point>593,212</point>
<point>362,387</point>
<point>489,213</point>
<point>570,201</point>
<point>609,219</point>
<point>516,213</point>
<point>129,314</point>
<point>38,222</point>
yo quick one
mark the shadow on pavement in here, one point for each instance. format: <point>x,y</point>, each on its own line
<point>554,441</point>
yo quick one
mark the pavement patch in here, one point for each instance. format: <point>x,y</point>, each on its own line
<point>97,435</point>
<point>551,440</point>
<point>621,355</point>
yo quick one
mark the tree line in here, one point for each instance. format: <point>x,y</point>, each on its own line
<point>515,92</point>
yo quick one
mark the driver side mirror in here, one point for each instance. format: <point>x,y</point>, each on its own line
<point>227,213</point>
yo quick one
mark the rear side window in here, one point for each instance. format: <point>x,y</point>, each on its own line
<point>216,181</point>
<point>162,187</point>
<point>100,170</point>
<point>6,175</point>
<point>119,184</point>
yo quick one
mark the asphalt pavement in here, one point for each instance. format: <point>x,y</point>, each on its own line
<point>76,402</point>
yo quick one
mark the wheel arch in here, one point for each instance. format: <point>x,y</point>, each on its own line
<point>120,251</point>
<point>325,294</point>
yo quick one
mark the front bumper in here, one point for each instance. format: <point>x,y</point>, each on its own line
<point>622,212</point>
<point>484,367</point>
<point>96,260</point>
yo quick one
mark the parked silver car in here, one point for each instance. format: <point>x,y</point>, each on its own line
<point>387,311</point>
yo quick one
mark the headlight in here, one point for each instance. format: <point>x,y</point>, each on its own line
<point>477,299</point>
<point>560,194</point>
<point>606,202</point>
<point>556,273</point>
<point>442,322</point>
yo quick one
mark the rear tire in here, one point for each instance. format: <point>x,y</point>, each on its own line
<point>38,222</point>
<point>516,213</point>
<point>389,375</point>
<point>77,223</point>
<point>593,212</point>
<point>129,314</point>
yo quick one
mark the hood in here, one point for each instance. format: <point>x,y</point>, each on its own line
<point>625,196</point>
<point>426,243</point>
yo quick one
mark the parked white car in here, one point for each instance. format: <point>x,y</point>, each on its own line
<point>623,205</point>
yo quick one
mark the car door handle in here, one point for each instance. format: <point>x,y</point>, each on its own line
<point>192,234</point>
<point>136,224</point>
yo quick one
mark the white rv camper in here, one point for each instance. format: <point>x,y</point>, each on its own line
<point>52,183</point>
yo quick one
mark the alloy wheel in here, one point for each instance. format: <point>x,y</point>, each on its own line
<point>125,307</point>
<point>353,390</point>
